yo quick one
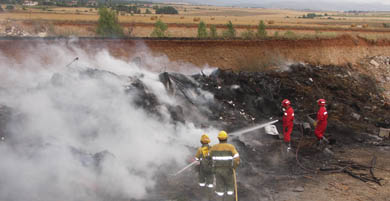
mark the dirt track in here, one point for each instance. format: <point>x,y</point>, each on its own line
<point>226,54</point>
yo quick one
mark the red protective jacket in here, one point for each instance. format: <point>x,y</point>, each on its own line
<point>322,122</point>
<point>288,123</point>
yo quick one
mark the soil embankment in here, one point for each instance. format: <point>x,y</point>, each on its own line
<point>225,54</point>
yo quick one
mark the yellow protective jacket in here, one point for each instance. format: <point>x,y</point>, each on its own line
<point>202,152</point>
<point>224,155</point>
<point>203,155</point>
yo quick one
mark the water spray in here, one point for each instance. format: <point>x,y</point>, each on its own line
<point>186,167</point>
<point>246,130</point>
<point>235,133</point>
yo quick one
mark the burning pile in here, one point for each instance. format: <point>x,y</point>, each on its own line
<point>124,124</point>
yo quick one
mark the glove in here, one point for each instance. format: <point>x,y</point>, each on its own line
<point>235,164</point>
<point>197,161</point>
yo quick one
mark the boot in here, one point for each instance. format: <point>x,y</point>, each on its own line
<point>288,146</point>
<point>321,144</point>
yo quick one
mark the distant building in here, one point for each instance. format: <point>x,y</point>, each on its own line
<point>71,3</point>
<point>92,3</point>
<point>30,3</point>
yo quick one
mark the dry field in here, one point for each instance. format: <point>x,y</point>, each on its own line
<point>82,21</point>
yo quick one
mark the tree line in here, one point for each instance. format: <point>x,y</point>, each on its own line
<point>108,26</point>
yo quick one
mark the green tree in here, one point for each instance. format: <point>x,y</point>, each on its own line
<point>311,15</point>
<point>9,7</point>
<point>261,32</point>
<point>148,11</point>
<point>213,31</point>
<point>108,24</point>
<point>230,32</point>
<point>159,29</point>
<point>202,30</point>
<point>167,10</point>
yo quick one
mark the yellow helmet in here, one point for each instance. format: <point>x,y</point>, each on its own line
<point>205,139</point>
<point>222,135</point>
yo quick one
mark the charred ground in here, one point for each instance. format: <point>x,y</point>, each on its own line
<point>356,111</point>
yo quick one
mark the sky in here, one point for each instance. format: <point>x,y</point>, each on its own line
<point>370,5</point>
<point>387,2</point>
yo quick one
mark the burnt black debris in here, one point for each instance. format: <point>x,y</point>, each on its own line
<point>233,100</point>
<point>356,111</point>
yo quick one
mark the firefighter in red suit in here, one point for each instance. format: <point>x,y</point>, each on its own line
<point>288,121</point>
<point>322,120</point>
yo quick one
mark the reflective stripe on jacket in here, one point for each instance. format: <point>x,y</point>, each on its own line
<point>224,155</point>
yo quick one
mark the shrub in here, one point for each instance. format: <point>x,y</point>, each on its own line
<point>213,31</point>
<point>148,11</point>
<point>108,24</point>
<point>167,10</point>
<point>276,34</point>
<point>196,19</point>
<point>159,29</point>
<point>261,32</point>
<point>202,31</point>
<point>230,32</point>
<point>248,34</point>
<point>9,7</point>
<point>386,25</point>
<point>311,15</point>
<point>271,22</point>
<point>289,35</point>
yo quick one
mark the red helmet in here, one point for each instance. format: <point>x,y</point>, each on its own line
<point>286,103</point>
<point>321,102</point>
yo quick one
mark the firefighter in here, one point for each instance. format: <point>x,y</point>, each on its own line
<point>288,122</point>
<point>322,120</point>
<point>206,178</point>
<point>225,160</point>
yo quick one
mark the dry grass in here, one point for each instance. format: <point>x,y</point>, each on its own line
<point>210,15</point>
<point>374,36</point>
<point>192,15</point>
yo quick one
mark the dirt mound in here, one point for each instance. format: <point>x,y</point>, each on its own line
<point>243,55</point>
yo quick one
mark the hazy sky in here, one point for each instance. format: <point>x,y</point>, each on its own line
<point>272,1</point>
<point>373,5</point>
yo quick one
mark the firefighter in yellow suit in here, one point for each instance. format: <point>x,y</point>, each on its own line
<point>225,158</point>
<point>206,178</point>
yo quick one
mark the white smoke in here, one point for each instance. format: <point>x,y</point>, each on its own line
<point>65,116</point>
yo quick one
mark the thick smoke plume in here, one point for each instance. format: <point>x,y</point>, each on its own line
<point>75,132</point>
